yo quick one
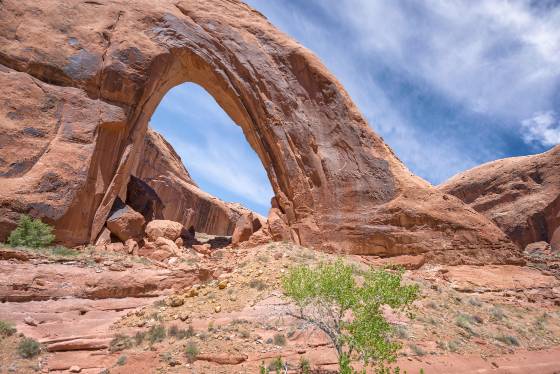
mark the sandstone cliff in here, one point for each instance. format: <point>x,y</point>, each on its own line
<point>82,78</point>
<point>162,169</point>
<point>520,194</point>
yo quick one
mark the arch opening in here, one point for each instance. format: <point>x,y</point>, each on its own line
<point>194,153</point>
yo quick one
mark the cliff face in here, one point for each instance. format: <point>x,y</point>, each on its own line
<point>520,194</point>
<point>163,170</point>
<point>81,80</point>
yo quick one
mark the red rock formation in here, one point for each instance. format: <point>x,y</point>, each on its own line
<point>520,194</point>
<point>87,76</point>
<point>163,170</point>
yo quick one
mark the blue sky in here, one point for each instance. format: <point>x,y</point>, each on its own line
<point>448,85</point>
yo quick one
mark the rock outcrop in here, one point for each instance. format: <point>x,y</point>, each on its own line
<point>82,79</point>
<point>520,194</point>
<point>162,169</point>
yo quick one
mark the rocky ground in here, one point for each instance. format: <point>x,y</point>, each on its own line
<point>222,313</point>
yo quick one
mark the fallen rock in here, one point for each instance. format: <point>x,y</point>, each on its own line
<point>115,247</point>
<point>222,284</point>
<point>160,250</point>
<point>202,248</point>
<point>537,246</point>
<point>223,358</point>
<point>131,246</point>
<point>104,238</point>
<point>75,369</point>
<point>79,345</point>
<point>244,228</point>
<point>125,223</point>
<point>163,229</point>
<point>30,321</point>
<point>175,301</point>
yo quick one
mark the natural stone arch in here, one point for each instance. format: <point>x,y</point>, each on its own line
<point>338,186</point>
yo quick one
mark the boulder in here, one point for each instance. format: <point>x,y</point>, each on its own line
<point>131,246</point>
<point>161,249</point>
<point>125,223</point>
<point>104,238</point>
<point>163,228</point>
<point>245,227</point>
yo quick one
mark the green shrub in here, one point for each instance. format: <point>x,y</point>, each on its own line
<point>31,233</point>
<point>64,252</point>
<point>121,360</point>
<point>156,334</point>
<point>508,339</point>
<point>139,337</point>
<point>191,351</point>
<point>6,329</point>
<point>279,339</point>
<point>304,366</point>
<point>329,293</point>
<point>28,348</point>
<point>276,365</point>
<point>120,343</point>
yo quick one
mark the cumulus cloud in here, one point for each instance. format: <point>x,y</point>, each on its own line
<point>543,128</point>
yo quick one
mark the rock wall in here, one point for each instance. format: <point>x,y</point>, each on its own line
<point>93,72</point>
<point>163,170</point>
<point>520,194</point>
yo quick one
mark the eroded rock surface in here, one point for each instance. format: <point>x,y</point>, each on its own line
<point>520,194</point>
<point>81,80</point>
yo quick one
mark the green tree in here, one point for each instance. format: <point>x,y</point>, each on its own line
<point>349,312</point>
<point>31,233</point>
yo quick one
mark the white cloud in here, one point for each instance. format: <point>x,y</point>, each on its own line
<point>497,57</point>
<point>543,128</point>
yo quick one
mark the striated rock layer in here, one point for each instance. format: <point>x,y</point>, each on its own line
<point>520,194</point>
<point>162,169</point>
<point>82,78</point>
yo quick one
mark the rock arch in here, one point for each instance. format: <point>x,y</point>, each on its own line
<point>338,186</point>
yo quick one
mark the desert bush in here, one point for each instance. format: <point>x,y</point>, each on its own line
<point>120,343</point>
<point>304,366</point>
<point>279,339</point>
<point>191,351</point>
<point>139,337</point>
<point>64,252</point>
<point>121,360</point>
<point>508,339</point>
<point>28,348</point>
<point>156,334</point>
<point>257,284</point>
<point>6,329</point>
<point>277,365</point>
<point>31,233</point>
<point>326,295</point>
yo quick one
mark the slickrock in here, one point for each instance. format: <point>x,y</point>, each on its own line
<point>520,194</point>
<point>81,80</point>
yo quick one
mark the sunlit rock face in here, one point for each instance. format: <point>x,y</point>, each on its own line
<point>82,79</point>
<point>520,194</point>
